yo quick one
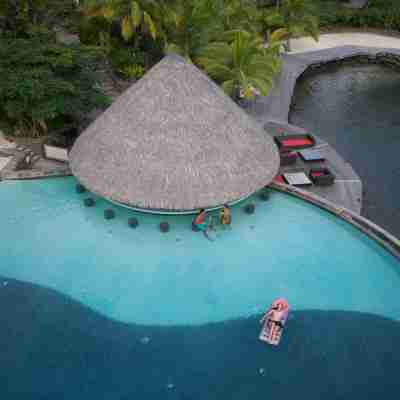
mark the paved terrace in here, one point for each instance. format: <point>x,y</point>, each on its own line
<point>273,111</point>
<point>11,155</point>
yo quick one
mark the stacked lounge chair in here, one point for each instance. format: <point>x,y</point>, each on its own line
<point>294,142</point>
<point>288,146</point>
<point>322,176</point>
<point>55,153</point>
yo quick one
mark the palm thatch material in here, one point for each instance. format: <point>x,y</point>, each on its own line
<point>174,142</point>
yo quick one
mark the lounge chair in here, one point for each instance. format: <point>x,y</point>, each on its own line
<point>288,157</point>
<point>311,155</point>
<point>322,176</point>
<point>55,153</point>
<point>294,142</point>
<point>279,179</point>
<point>4,161</point>
<point>297,179</point>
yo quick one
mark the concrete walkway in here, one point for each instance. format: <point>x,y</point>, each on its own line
<point>11,154</point>
<point>356,3</point>
<point>330,40</point>
<point>273,110</point>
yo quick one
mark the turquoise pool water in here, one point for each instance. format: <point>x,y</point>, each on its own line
<point>287,248</point>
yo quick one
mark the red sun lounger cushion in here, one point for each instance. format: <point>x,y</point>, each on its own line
<point>315,174</point>
<point>297,142</point>
<point>322,176</point>
<point>294,142</point>
<point>279,179</point>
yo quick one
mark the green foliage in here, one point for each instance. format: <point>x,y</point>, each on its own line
<point>132,71</point>
<point>127,61</point>
<point>43,83</point>
<point>190,28</point>
<point>296,18</point>
<point>135,17</point>
<point>19,17</point>
<point>383,14</point>
<point>242,65</point>
<point>192,25</point>
<point>91,30</point>
<point>244,15</point>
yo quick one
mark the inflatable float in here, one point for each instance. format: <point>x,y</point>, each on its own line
<point>273,322</point>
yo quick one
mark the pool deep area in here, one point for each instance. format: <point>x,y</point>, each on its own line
<point>142,276</point>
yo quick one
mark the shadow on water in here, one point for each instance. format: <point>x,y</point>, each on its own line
<point>52,347</point>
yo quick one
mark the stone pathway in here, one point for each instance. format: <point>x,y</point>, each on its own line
<point>356,3</point>
<point>329,40</point>
<point>6,146</point>
<point>11,156</point>
<point>273,110</point>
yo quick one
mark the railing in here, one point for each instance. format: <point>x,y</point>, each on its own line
<point>387,240</point>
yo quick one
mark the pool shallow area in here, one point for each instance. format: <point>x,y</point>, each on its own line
<point>286,248</point>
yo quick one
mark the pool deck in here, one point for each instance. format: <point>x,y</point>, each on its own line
<point>273,110</point>
<point>11,154</point>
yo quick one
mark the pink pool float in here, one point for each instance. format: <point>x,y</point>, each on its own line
<point>273,322</point>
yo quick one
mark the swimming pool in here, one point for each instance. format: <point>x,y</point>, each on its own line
<point>93,309</point>
<point>286,248</point>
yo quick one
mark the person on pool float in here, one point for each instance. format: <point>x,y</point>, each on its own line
<point>225,218</point>
<point>277,314</point>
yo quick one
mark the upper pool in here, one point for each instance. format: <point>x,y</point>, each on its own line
<point>356,109</point>
<point>287,248</point>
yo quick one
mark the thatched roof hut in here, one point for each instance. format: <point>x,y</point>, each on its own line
<point>174,142</point>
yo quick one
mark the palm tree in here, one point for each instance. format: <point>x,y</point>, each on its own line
<point>243,65</point>
<point>137,16</point>
<point>296,17</point>
<point>240,15</point>
<point>192,25</point>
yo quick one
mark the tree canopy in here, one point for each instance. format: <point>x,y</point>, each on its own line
<point>43,84</point>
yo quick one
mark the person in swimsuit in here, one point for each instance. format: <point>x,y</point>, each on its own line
<point>225,218</point>
<point>276,315</point>
<point>200,223</point>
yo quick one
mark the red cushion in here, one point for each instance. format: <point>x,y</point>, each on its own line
<point>279,179</point>
<point>296,142</point>
<point>317,174</point>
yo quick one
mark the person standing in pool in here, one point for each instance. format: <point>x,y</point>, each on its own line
<point>225,218</point>
<point>200,223</point>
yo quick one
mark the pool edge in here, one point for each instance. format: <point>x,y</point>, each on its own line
<point>374,231</point>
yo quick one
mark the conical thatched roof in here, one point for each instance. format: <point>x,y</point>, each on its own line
<point>174,142</point>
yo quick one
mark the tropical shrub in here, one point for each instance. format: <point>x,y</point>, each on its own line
<point>45,85</point>
<point>383,14</point>
<point>20,16</point>
<point>127,61</point>
<point>247,16</point>
<point>243,66</point>
<point>191,25</point>
<point>136,24</point>
<point>135,17</point>
<point>132,71</point>
<point>295,18</point>
<point>91,30</point>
